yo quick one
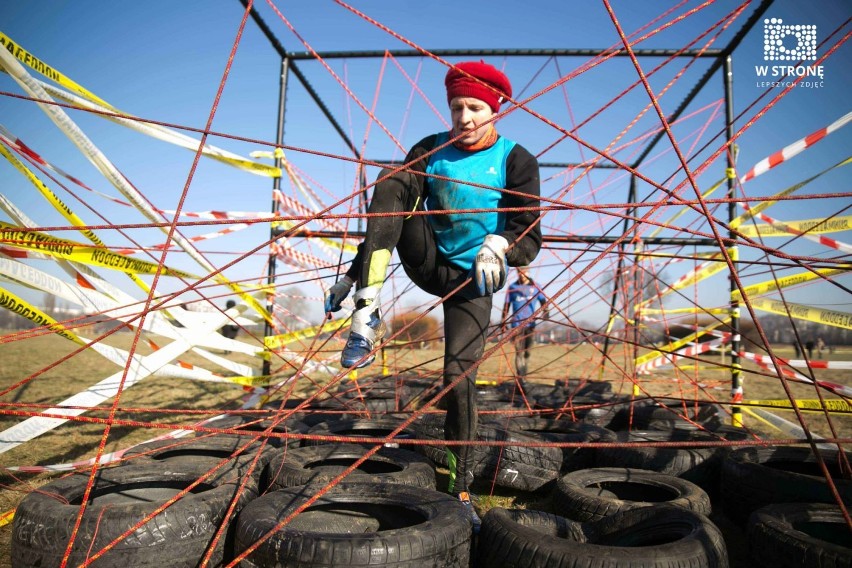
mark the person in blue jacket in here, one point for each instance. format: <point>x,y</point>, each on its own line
<point>523,297</point>
<point>457,245</point>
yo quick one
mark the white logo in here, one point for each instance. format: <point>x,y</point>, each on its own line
<point>788,42</point>
<point>491,171</point>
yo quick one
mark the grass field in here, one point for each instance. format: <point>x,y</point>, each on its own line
<point>167,402</point>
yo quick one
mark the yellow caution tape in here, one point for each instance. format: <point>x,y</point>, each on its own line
<point>763,288</point>
<point>706,272</point>
<point>62,208</point>
<point>285,225</point>
<point>278,341</point>
<point>811,226</point>
<point>23,308</point>
<point>99,256</point>
<point>700,255</point>
<point>711,269</point>
<point>739,421</point>
<point>833,318</point>
<point>695,310</point>
<point>832,405</point>
<point>258,381</point>
<point>13,236</point>
<point>7,517</point>
<point>675,345</point>
<point>41,67</point>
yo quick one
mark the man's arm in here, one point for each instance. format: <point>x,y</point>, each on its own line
<point>523,231</point>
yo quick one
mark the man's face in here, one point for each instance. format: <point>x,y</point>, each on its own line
<point>522,277</point>
<point>468,114</point>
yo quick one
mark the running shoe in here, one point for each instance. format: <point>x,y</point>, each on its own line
<point>367,328</point>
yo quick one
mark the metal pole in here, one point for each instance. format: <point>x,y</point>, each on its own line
<point>616,279</point>
<point>547,52</point>
<point>735,41</point>
<point>736,369</point>
<point>276,185</point>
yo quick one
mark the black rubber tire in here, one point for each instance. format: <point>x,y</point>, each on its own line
<point>649,537</point>
<point>700,465</point>
<point>378,428</point>
<point>375,387</point>
<point>581,387</point>
<point>358,524</point>
<point>755,477</point>
<point>213,446</point>
<point>562,431</point>
<point>122,496</point>
<point>203,451</point>
<point>321,464</point>
<point>522,467</point>
<point>252,425</point>
<point>571,407</point>
<point>317,411</point>
<point>592,494</point>
<point>377,407</point>
<point>675,414</point>
<point>494,399</point>
<point>791,535</point>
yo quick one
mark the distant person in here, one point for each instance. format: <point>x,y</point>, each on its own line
<point>809,347</point>
<point>796,349</point>
<point>229,330</point>
<point>523,297</point>
<point>820,345</point>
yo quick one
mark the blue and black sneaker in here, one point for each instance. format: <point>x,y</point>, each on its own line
<point>367,328</point>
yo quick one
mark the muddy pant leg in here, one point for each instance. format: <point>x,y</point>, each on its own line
<point>523,345</point>
<point>465,325</point>
<point>395,194</point>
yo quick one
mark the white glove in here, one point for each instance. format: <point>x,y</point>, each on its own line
<point>489,266</point>
<point>337,293</point>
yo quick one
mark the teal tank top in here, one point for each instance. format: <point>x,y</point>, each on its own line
<point>459,235</point>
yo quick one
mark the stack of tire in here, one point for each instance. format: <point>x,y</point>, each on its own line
<point>658,536</point>
<point>509,459</point>
<point>170,502</point>
<point>329,487</point>
<point>782,497</point>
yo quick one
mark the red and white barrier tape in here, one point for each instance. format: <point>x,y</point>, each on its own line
<point>793,149</point>
<point>685,353</point>
<point>821,239</point>
<point>765,363</point>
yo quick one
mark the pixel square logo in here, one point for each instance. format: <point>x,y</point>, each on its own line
<point>788,42</point>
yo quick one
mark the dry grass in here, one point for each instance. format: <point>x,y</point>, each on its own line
<point>146,402</point>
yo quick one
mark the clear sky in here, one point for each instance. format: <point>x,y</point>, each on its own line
<point>164,61</point>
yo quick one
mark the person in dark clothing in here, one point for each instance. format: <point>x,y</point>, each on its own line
<point>809,347</point>
<point>462,251</point>
<point>523,298</point>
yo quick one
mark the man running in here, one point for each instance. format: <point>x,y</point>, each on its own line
<point>461,251</point>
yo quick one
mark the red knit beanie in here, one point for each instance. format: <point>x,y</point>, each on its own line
<point>459,84</point>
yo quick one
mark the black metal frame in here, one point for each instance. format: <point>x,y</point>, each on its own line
<point>721,60</point>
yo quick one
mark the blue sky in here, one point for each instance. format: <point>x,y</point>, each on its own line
<point>164,60</point>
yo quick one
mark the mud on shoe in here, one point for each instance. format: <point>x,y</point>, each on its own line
<point>367,328</point>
